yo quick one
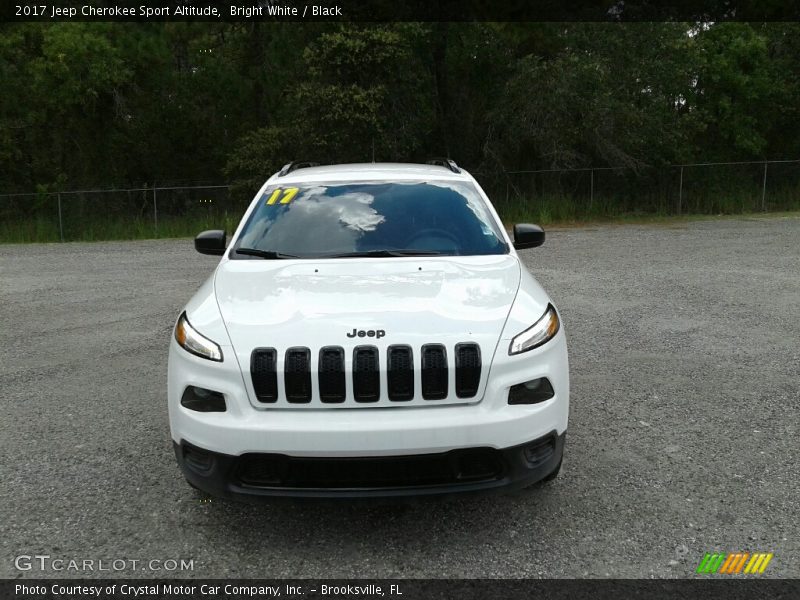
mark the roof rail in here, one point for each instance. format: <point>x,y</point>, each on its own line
<point>294,165</point>
<point>445,162</point>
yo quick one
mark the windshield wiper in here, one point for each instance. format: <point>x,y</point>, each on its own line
<point>268,254</point>
<point>384,253</point>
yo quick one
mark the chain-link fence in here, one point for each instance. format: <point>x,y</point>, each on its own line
<point>698,188</point>
<point>544,195</point>
<point>145,212</point>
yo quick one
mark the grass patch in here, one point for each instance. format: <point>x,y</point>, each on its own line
<point>647,219</point>
<point>41,230</point>
<point>566,211</point>
<point>549,211</point>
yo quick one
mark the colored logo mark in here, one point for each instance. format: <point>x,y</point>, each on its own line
<point>734,563</point>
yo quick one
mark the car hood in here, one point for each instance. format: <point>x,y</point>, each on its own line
<point>280,304</point>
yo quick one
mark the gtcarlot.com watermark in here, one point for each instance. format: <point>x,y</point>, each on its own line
<point>45,562</point>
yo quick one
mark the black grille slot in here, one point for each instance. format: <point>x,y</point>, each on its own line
<point>297,375</point>
<point>331,374</point>
<point>262,372</point>
<point>400,373</point>
<point>434,372</point>
<point>468,370</point>
<point>366,379</point>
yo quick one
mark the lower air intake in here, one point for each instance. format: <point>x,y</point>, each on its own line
<point>458,466</point>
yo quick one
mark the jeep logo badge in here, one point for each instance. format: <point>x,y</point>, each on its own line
<point>376,333</point>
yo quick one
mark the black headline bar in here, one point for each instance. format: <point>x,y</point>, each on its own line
<point>732,588</point>
<point>405,10</point>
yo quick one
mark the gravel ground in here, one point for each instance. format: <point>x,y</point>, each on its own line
<point>683,432</point>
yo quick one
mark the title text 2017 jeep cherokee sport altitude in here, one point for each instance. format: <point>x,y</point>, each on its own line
<point>369,331</point>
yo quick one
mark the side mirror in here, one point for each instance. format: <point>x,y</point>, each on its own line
<point>528,236</point>
<point>210,242</point>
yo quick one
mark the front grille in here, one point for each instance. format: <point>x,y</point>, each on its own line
<point>400,373</point>
<point>297,375</point>
<point>468,370</point>
<point>332,387</point>
<point>340,381</point>
<point>263,372</point>
<point>434,372</point>
<point>458,466</point>
<point>366,376</point>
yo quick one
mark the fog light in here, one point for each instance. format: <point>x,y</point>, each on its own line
<point>531,392</point>
<point>539,451</point>
<point>203,400</point>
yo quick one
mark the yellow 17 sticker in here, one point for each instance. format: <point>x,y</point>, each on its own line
<point>288,195</point>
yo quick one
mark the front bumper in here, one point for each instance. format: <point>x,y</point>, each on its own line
<point>373,431</point>
<point>259,476</point>
<point>333,448</point>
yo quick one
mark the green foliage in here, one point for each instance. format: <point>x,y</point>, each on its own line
<point>364,95</point>
<point>257,155</point>
<point>110,104</point>
<point>595,101</point>
<point>735,83</point>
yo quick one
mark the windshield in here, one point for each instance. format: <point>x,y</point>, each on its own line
<point>369,219</point>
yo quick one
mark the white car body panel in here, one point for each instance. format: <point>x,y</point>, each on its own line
<point>416,301</point>
<point>486,299</point>
<point>377,432</point>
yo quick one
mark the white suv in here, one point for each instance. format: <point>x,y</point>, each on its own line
<point>369,331</point>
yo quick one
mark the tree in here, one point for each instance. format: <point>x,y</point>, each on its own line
<point>734,82</point>
<point>596,102</point>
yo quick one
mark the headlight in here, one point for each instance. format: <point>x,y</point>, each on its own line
<point>539,333</point>
<point>191,341</point>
